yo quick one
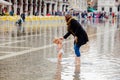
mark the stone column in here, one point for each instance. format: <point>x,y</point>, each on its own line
<point>15,7</point>
<point>31,11</point>
<point>26,7</point>
<point>38,6</point>
<point>50,8</point>
<point>21,7</point>
<point>60,7</point>
<point>45,8</point>
<point>9,8</point>
<point>39,9</point>
<point>35,6</point>
<point>115,9</point>
<point>56,6</point>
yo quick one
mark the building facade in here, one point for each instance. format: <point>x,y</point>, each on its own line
<point>30,7</point>
<point>108,5</point>
<point>80,5</point>
<point>83,5</point>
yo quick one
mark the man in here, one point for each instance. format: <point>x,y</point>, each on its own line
<point>80,36</point>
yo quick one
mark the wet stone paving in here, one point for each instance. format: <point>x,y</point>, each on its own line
<point>34,57</point>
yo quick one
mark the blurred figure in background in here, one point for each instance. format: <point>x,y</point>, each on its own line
<point>23,16</point>
<point>11,13</point>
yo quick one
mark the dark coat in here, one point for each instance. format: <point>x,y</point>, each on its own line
<point>76,29</point>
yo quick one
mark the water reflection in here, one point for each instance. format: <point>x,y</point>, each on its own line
<point>58,71</point>
<point>100,62</point>
<point>105,37</point>
<point>76,75</point>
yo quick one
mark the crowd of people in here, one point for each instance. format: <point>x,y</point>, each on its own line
<point>79,14</point>
<point>100,15</point>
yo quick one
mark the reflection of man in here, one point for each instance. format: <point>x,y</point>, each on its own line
<point>58,71</point>
<point>77,72</point>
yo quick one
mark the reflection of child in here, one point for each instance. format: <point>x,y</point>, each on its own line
<point>58,42</point>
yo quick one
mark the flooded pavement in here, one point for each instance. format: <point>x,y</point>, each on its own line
<point>34,57</point>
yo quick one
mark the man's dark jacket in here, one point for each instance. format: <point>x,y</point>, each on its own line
<point>76,29</point>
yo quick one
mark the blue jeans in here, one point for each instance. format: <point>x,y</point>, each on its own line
<point>77,51</point>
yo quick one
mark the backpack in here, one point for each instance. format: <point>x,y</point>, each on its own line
<point>19,22</point>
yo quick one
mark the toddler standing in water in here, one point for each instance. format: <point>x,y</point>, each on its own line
<point>58,42</point>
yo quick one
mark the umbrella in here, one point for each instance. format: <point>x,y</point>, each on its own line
<point>2,2</point>
<point>90,9</point>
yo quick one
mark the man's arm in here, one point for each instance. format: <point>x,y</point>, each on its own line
<point>66,35</point>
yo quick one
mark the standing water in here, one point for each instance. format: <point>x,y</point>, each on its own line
<point>33,56</point>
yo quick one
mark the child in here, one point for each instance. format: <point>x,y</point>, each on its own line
<point>58,42</point>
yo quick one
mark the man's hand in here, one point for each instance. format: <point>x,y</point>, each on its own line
<point>61,38</point>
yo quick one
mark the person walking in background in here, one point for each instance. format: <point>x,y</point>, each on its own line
<point>11,13</point>
<point>19,24</point>
<point>80,36</point>
<point>58,42</point>
<point>23,16</point>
